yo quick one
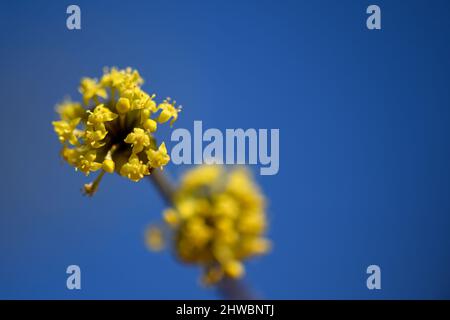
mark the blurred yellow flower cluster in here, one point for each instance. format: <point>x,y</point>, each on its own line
<point>112,129</point>
<point>218,220</point>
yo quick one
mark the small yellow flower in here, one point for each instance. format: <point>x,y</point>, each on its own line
<point>94,135</point>
<point>212,275</point>
<point>90,89</point>
<point>155,238</point>
<point>171,217</point>
<point>113,129</point>
<point>168,111</point>
<point>100,115</point>
<point>86,162</point>
<point>69,110</point>
<point>66,130</point>
<point>234,269</point>
<point>121,80</point>
<point>134,169</point>
<point>204,176</point>
<point>139,139</point>
<point>158,159</point>
<point>218,220</point>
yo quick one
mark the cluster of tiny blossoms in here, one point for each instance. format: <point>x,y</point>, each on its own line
<point>112,129</point>
<point>218,220</point>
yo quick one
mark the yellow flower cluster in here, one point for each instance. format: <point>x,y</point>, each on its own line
<point>218,220</point>
<point>112,129</point>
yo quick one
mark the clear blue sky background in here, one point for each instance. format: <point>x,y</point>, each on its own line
<point>364,161</point>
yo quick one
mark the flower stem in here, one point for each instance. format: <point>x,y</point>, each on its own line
<point>235,290</point>
<point>228,288</point>
<point>164,185</point>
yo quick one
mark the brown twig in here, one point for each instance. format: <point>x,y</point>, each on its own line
<point>235,290</point>
<point>164,185</point>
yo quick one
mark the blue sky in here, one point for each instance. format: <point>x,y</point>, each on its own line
<point>364,153</point>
